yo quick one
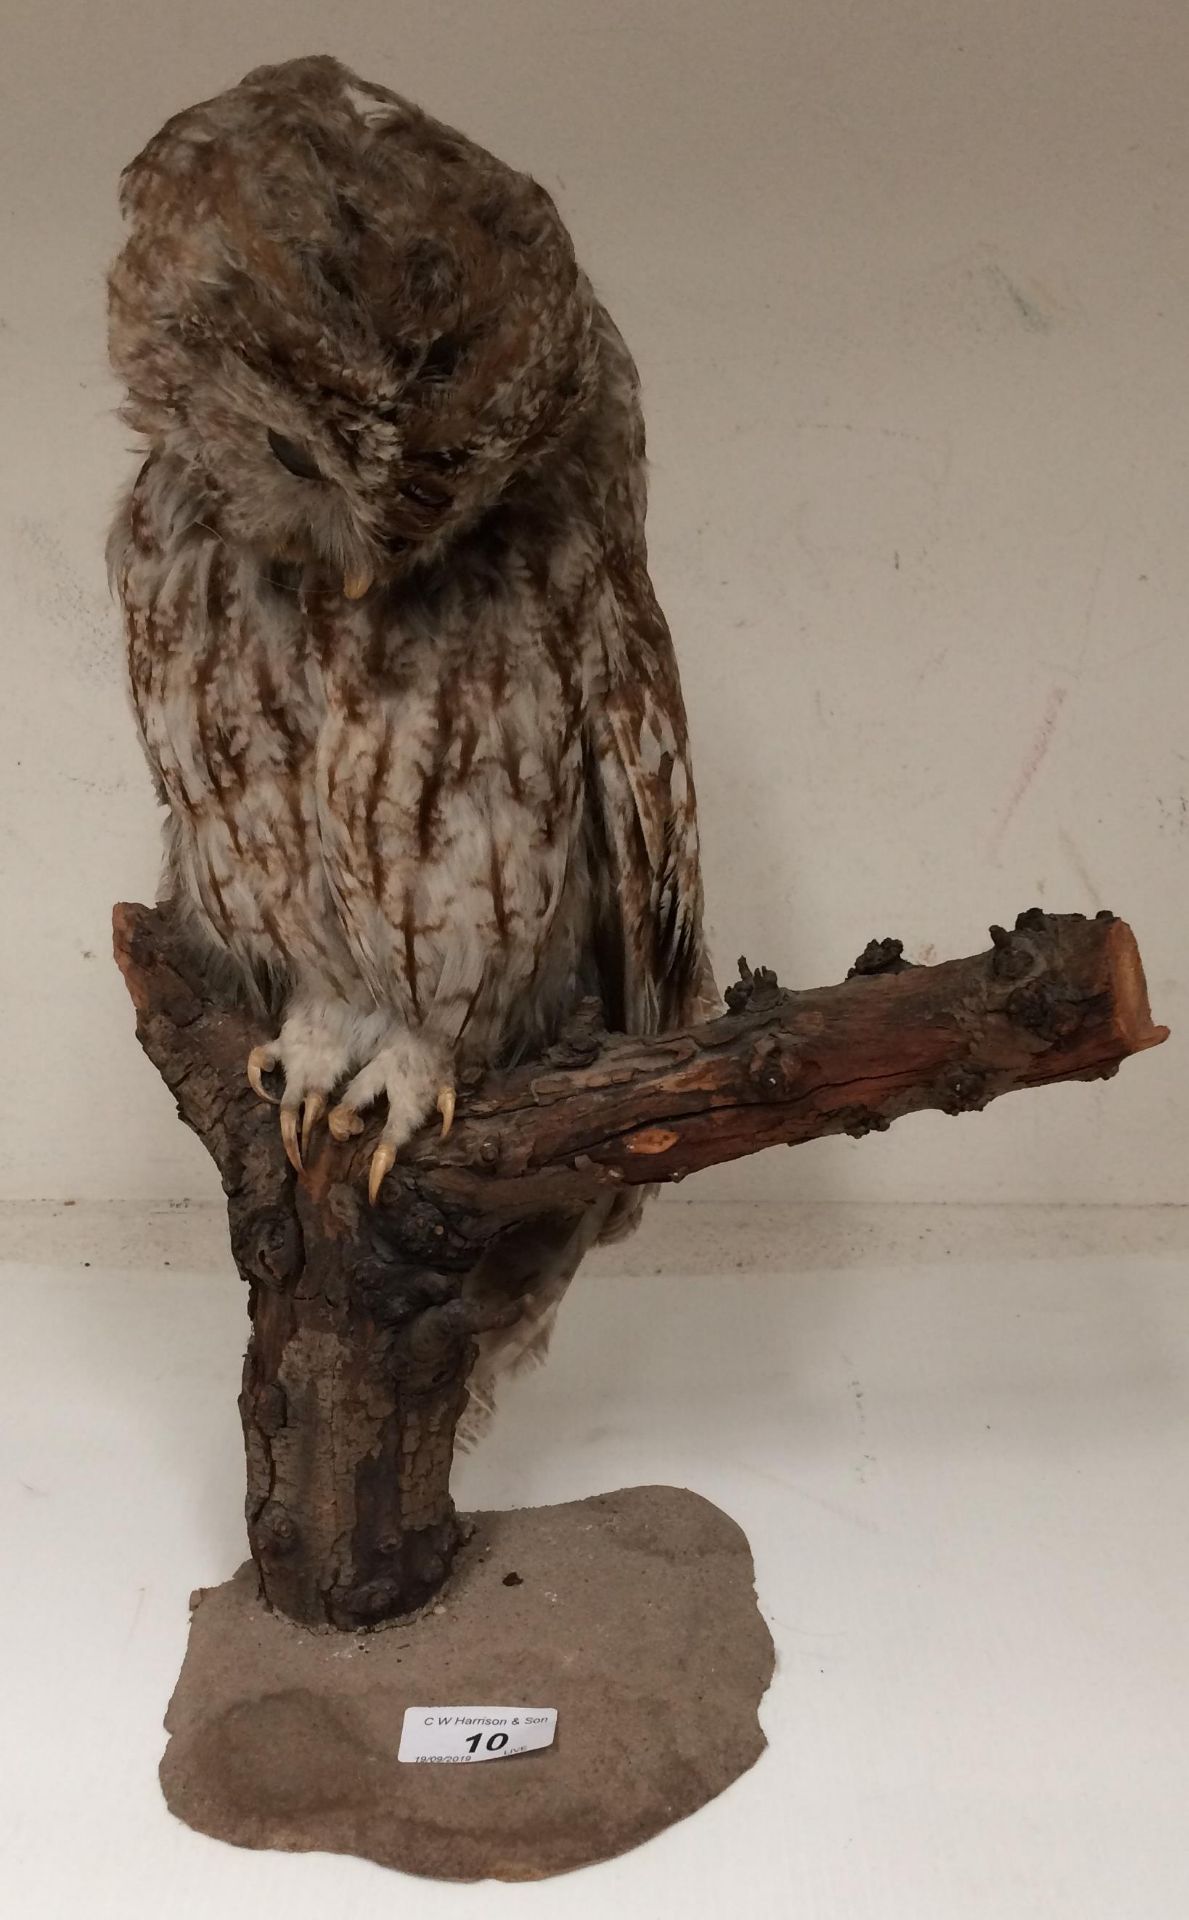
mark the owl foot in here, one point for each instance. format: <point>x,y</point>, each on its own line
<point>415,1075</point>
<point>384,1158</point>
<point>319,1044</point>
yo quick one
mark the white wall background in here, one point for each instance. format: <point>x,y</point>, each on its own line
<point>908,282</point>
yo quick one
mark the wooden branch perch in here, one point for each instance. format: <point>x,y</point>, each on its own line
<point>362,1329</point>
<point>1058,998</point>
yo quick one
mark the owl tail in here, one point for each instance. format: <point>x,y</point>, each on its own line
<point>532,1265</point>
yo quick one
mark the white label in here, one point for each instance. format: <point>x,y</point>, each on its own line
<point>454,1734</point>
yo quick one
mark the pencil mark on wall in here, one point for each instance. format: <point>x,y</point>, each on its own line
<point>976,296</point>
<point>1032,313</point>
<point>1091,603</point>
<point>82,613</point>
<point>1073,854</point>
<point>1039,746</point>
<point>832,1507</point>
<point>868,1459</point>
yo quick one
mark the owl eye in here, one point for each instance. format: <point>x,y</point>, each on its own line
<point>441,358</point>
<point>424,496</point>
<point>293,458</point>
<point>441,459</point>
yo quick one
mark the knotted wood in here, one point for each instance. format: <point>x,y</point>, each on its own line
<point>362,1322</point>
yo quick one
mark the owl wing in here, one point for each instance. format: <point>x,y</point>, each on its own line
<point>641,793</point>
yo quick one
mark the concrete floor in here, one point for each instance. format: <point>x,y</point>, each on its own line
<point>957,1438</point>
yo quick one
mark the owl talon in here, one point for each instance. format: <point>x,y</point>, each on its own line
<point>289,1137</point>
<point>410,1071</point>
<point>383,1161</point>
<point>344,1122</point>
<point>315,1107</point>
<point>262,1060</point>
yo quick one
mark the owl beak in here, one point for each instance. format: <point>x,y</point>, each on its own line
<point>355,585</point>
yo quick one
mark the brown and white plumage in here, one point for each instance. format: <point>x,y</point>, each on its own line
<point>394,651</point>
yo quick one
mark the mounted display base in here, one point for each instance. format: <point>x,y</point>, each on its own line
<point>633,1613</point>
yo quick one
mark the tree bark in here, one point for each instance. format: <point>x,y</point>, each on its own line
<point>362,1325</point>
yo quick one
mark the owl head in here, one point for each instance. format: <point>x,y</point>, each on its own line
<point>356,328</point>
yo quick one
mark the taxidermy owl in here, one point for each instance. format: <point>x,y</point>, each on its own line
<point>394,652</point>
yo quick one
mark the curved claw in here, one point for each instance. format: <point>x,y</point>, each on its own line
<point>315,1107</point>
<point>383,1161</point>
<point>262,1060</point>
<point>289,1137</point>
<point>344,1122</point>
<point>446,1108</point>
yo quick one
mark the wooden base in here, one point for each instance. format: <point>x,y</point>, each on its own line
<point>633,1613</point>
